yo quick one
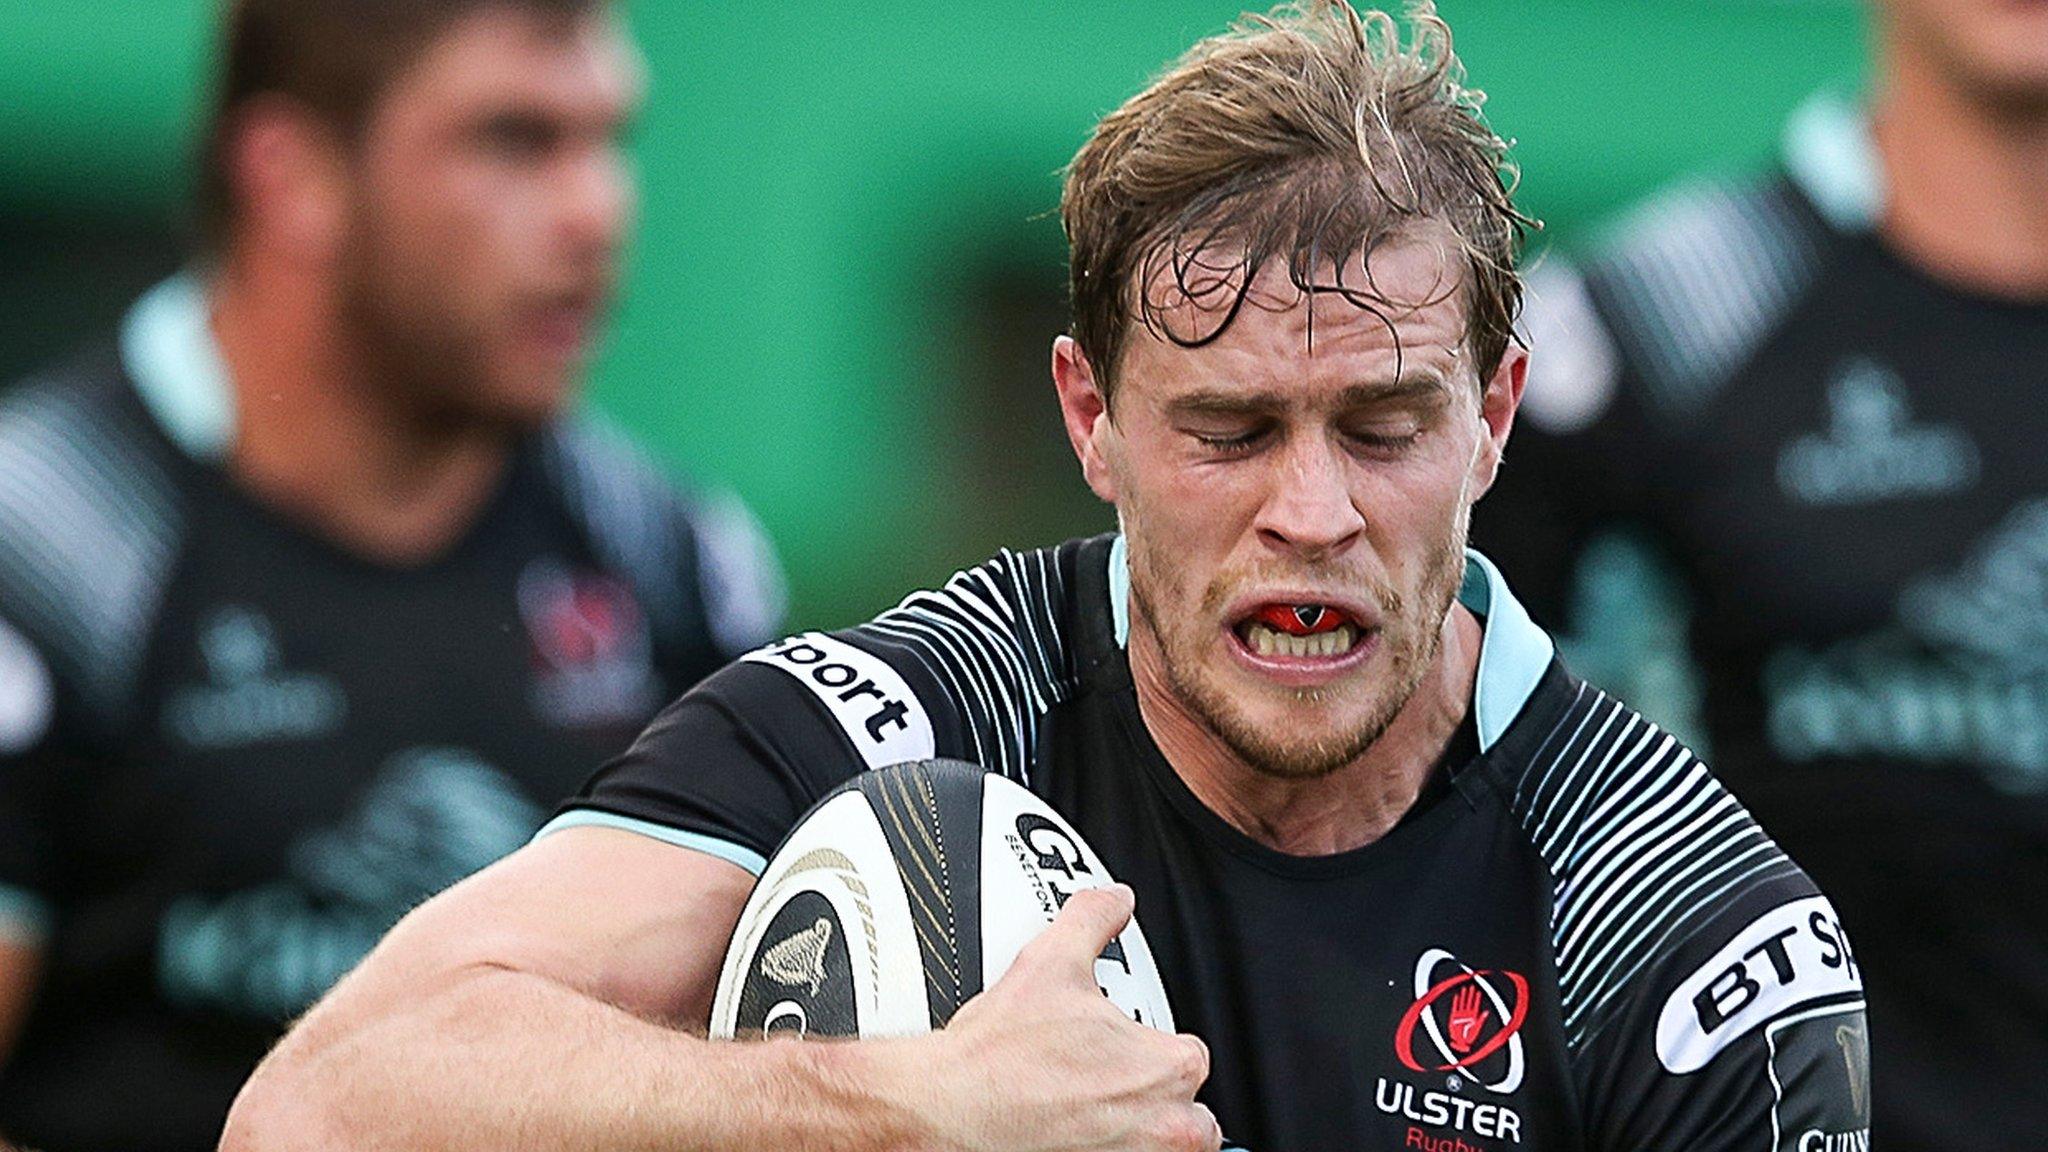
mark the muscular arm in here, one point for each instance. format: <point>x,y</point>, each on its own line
<point>541,1004</point>
<point>530,1006</point>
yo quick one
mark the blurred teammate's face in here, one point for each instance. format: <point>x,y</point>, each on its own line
<point>1997,49</point>
<point>490,200</point>
<point>1296,502</point>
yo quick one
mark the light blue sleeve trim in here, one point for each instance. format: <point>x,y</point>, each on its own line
<point>168,348</point>
<point>1120,590</point>
<point>1513,655</point>
<point>1830,155</point>
<point>25,918</point>
<point>726,850</point>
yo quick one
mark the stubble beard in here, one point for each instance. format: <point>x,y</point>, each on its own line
<point>421,360</point>
<point>1267,751</point>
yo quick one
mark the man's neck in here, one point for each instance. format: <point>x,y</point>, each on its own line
<point>1349,808</point>
<point>1963,179</point>
<point>317,440</point>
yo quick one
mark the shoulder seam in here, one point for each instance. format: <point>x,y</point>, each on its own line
<point>1642,845</point>
<point>1694,280</point>
<point>990,640</point>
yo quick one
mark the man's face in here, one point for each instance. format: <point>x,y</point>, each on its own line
<point>491,200</point>
<point>1997,49</point>
<point>1296,511</point>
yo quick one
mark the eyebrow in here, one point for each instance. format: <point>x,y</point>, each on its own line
<point>1411,388</point>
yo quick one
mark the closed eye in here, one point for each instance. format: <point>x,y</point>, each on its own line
<point>1386,441</point>
<point>1390,434</point>
<point>1232,444</point>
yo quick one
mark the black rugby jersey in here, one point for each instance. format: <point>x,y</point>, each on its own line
<point>1578,941</point>
<point>232,754</point>
<point>1787,494</point>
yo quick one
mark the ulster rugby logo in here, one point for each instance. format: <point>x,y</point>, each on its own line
<point>1466,1021</point>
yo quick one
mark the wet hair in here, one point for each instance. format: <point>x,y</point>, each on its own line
<point>1310,134</point>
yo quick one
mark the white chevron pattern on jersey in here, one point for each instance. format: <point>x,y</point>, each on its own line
<point>88,532</point>
<point>991,639</point>
<point>1698,277</point>
<point>1643,845</point>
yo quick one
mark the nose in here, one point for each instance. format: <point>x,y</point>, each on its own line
<point>597,200</point>
<point>1309,510</point>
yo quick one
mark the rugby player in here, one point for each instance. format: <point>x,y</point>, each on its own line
<point>312,597</point>
<point>1410,883</point>
<point>1781,482</point>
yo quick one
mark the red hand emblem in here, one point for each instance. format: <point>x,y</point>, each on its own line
<point>1468,1016</point>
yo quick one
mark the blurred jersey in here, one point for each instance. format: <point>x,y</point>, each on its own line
<point>1789,496</point>
<point>232,755</point>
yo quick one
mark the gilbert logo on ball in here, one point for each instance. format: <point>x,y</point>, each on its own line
<point>901,895</point>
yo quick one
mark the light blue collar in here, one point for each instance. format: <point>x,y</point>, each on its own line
<point>168,349</point>
<point>1513,654</point>
<point>1831,155</point>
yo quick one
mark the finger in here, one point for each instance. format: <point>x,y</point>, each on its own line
<point>1090,920</point>
<point>1195,1130</point>
<point>1193,1062</point>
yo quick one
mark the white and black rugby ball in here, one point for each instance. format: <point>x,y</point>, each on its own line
<point>902,894</point>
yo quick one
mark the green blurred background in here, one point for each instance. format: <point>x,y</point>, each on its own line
<point>848,272</point>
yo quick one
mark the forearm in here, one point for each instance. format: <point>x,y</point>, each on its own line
<point>501,1061</point>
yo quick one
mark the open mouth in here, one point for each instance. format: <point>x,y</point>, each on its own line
<point>1299,631</point>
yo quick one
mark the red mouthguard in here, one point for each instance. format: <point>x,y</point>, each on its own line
<point>1299,619</point>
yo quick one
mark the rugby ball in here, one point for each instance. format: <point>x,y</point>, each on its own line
<point>901,895</point>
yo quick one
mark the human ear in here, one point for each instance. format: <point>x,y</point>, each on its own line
<point>1498,402</point>
<point>290,177</point>
<point>1084,409</point>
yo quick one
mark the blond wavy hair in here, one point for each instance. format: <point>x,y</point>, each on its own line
<point>1311,134</point>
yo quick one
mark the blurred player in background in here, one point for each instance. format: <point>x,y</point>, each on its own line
<point>1410,882</point>
<point>312,597</point>
<point>1782,478</point>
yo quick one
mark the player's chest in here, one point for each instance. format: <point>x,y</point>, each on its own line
<point>1409,1003</point>
<point>438,713</point>
<point>1885,438</point>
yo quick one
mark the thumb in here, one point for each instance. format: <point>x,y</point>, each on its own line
<point>1084,927</point>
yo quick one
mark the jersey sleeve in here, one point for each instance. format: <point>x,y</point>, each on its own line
<point>32,755</point>
<point>965,672</point>
<point>1748,1036</point>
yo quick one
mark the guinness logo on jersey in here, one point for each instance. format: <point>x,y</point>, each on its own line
<point>1826,1046</point>
<point>1872,449</point>
<point>592,653</point>
<point>250,698</point>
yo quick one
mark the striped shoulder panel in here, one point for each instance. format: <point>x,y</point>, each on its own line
<point>695,563</point>
<point>89,526</point>
<point>992,642</point>
<point>1643,847</point>
<point>1696,279</point>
